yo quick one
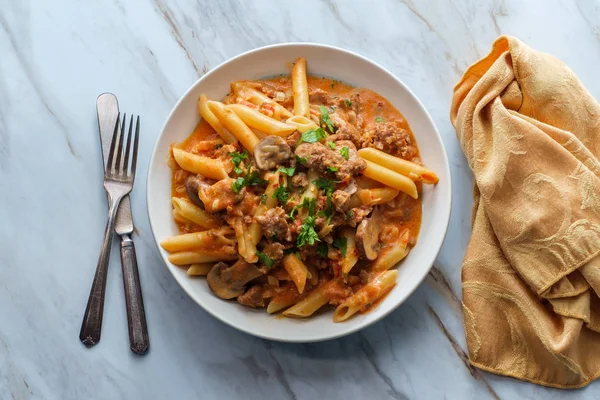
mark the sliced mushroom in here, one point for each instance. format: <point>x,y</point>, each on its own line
<point>352,187</point>
<point>271,152</point>
<point>367,235</point>
<point>228,282</point>
<point>193,184</point>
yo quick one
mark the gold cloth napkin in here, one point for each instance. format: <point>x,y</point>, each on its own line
<point>531,274</point>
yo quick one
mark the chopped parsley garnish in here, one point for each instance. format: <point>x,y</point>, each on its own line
<point>313,135</point>
<point>307,234</point>
<point>237,158</point>
<point>265,259</point>
<point>323,249</point>
<point>350,214</point>
<point>348,103</point>
<point>345,152</point>
<point>331,145</point>
<point>331,169</point>
<point>379,119</point>
<point>302,160</point>
<point>218,146</point>
<point>325,118</point>
<point>263,198</point>
<point>251,179</point>
<point>288,171</point>
<point>341,243</point>
<point>238,184</point>
<point>307,204</point>
<point>324,184</point>
<point>281,194</point>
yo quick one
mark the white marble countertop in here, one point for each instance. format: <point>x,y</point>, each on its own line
<point>56,57</point>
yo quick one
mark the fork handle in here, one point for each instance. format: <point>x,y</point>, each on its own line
<point>91,326</point>
<point>136,316</point>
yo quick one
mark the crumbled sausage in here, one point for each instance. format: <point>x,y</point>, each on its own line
<point>390,138</point>
<point>254,297</point>
<point>300,180</point>
<point>274,224</point>
<point>274,250</point>
<point>326,160</point>
<point>340,200</point>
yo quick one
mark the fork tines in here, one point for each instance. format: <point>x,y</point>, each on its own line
<point>118,165</point>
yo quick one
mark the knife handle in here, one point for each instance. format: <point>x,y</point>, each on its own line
<point>136,316</point>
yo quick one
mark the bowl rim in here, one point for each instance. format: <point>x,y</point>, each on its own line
<point>358,327</point>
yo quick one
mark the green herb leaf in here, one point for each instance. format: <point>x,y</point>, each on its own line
<point>331,169</point>
<point>325,118</point>
<point>379,119</point>
<point>237,158</point>
<point>265,259</point>
<point>345,152</point>
<point>348,103</point>
<point>341,243</point>
<point>324,184</point>
<point>307,233</point>
<point>288,171</point>
<point>238,184</point>
<point>323,249</point>
<point>263,198</point>
<point>251,179</point>
<point>313,135</point>
<point>302,160</point>
<point>294,209</point>
<point>331,145</point>
<point>281,194</point>
<point>350,214</point>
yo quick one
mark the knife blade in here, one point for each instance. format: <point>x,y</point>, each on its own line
<point>107,107</point>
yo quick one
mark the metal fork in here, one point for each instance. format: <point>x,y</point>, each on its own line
<point>118,182</point>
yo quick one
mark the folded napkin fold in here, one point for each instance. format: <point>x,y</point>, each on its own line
<point>531,275</point>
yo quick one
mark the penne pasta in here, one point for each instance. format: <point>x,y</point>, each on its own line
<point>205,166</point>
<point>414,171</point>
<point>274,183</point>
<point>199,240</point>
<point>191,212</point>
<point>392,255</point>
<point>300,88</point>
<point>366,296</point>
<point>391,179</point>
<point>302,124</point>
<point>247,237</point>
<point>279,303</point>
<point>200,269</point>
<point>297,270</point>
<point>200,257</point>
<point>371,197</point>
<point>351,257</point>
<point>311,303</point>
<point>255,97</point>
<point>213,121</point>
<point>257,120</point>
<point>234,124</point>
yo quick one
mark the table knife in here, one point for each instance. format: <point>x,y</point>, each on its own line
<point>108,110</point>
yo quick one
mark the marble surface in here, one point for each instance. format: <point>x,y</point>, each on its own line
<point>56,57</point>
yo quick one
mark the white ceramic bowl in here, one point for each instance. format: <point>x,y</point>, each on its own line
<point>322,61</point>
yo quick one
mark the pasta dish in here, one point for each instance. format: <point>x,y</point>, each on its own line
<point>297,192</point>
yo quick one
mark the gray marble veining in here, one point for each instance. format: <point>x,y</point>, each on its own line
<point>56,57</point>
